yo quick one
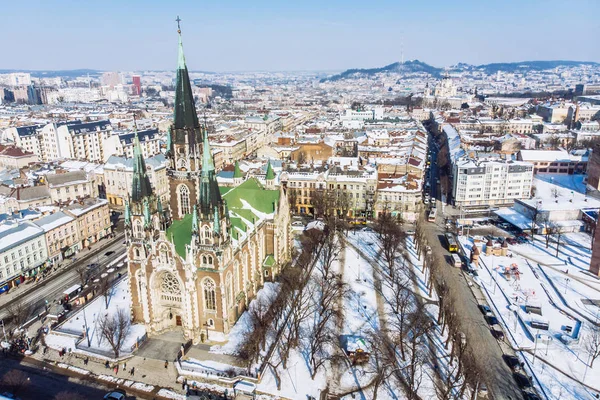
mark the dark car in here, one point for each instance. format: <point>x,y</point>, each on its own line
<point>513,362</point>
<point>522,381</point>
<point>109,253</point>
<point>485,310</point>
<point>511,241</point>
<point>497,333</point>
<point>530,396</point>
<point>93,265</point>
<point>491,320</point>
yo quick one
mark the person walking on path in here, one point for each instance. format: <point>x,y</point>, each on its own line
<point>124,366</point>
<point>132,371</point>
<point>166,364</point>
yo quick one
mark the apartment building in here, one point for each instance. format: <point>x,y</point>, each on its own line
<point>118,176</point>
<point>555,161</point>
<point>399,195</point>
<point>93,219</point>
<point>75,140</point>
<point>62,235</point>
<point>121,144</point>
<point>24,137</point>
<point>269,123</point>
<point>67,186</point>
<point>490,182</point>
<point>22,252</point>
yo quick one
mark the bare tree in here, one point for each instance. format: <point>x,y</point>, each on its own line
<point>293,199</point>
<point>391,237</point>
<point>558,233</point>
<point>83,274</point>
<point>420,327</point>
<point>534,215</point>
<point>17,313</point>
<point>15,380</point>
<point>591,343</point>
<point>105,290</point>
<point>401,302</point>
<point>114,329</point>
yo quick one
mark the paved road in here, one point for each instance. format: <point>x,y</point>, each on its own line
<point>46,384</point>
<point>489,354</point>
<point>52,287</point>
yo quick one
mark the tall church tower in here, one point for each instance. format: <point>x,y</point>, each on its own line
<point>184,141</point>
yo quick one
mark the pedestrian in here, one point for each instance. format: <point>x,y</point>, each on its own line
<point>106,364</point>
<point>125,366</point>
<point>132,371</point>
<point>85,361</point>
<point>166,364</point>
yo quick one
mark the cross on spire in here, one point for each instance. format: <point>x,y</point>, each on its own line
<point>178,20</point>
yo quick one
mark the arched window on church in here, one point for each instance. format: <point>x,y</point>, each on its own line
<point>204,260</point>
<point>210,296</point>
<point>136,253</point>
<point>184,199</point>
<point>138,230</point>
<point>206,237</point>
<point>229,289</point>
<point>236,276</point>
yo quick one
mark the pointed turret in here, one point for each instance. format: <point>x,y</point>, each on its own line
<point>185,119</point>
<point>270,176</point>
<point>140,187</point>
<point>210,196</point>
<point>238,176</point>
<point>195,221</point>
<point>127,214</point>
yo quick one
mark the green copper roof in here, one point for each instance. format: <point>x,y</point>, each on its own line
<point>181,56</point>
<point>252,192</point>
<point>270,174</point>
<point>237,172</point>
<point>246,214</point>
<point>269,261</point>
<point>236,222</point>
<point>140,187</point>
<point>210,194</point>
<point>181,233</point>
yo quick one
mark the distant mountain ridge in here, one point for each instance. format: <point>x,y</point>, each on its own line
<point>419,66</point>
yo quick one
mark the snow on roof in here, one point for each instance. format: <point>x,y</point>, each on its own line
<point>13,234</point>
<point>515,218</point>
<point>53,221</point>
<point>545,155</point>
<point>319,225</point>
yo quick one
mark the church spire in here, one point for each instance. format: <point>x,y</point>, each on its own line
<point>210,196</point>
<point>185,117</point>
<point>140,187</point>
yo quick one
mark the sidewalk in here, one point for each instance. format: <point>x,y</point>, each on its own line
<point>147,373</point>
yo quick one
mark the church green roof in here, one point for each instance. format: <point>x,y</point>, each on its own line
<point>270,173</point>
<point>237,172</point>
<point>180,233</point>
<point>251,191</point>
<point>269,261</point>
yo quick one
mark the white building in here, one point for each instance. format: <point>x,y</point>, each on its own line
<point>76,139</point>
<point>22,252</point>
<point>490,182</point>
<point>122,144</point>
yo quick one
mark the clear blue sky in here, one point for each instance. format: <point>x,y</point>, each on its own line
<point>241,35</point>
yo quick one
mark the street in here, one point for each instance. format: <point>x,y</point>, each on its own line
<point>44,383</point>
<point>489,354</point>
<point>52,287</point>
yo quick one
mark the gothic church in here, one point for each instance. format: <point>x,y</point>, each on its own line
<point>197,262</point>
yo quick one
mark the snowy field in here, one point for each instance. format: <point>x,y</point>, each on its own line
<point>559,286</point>
<point>119,299</point>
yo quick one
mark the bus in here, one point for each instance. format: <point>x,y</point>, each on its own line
<point>456,261</point>
<point>431,217</point>
<point>452,245</point>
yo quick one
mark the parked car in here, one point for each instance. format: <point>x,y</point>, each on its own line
<point>530,395</point>
<point>116,394</point>
<point>513,362</point>
<point>485,310</point>
<point>93,265</point>
<point>497,333</point>
<point>491,320</point>
<point>512,241</point>
<point>109,253</point>
<point>523,381</point>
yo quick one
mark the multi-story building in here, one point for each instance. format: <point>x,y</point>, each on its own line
<point>25,137</point>
<point>555,161</point>
<point>72,185</point>
<point>76,140</point>
<point>490,182</point>
<point>93,219</point>
<point>122,144</point>
<point>118,175</point>
<point>269,124</point>
<point>14,157</point>
<point>62,235</point>
<point>27,196</point>
<point>232,149</point>
<point>399,195</point>
<point>23,252</point>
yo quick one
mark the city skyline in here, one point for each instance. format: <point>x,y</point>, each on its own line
<point>267,36</point>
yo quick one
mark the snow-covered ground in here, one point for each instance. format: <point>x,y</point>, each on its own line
<point>67,334</point>
<point>571,182</point>
<point>558,285</point>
